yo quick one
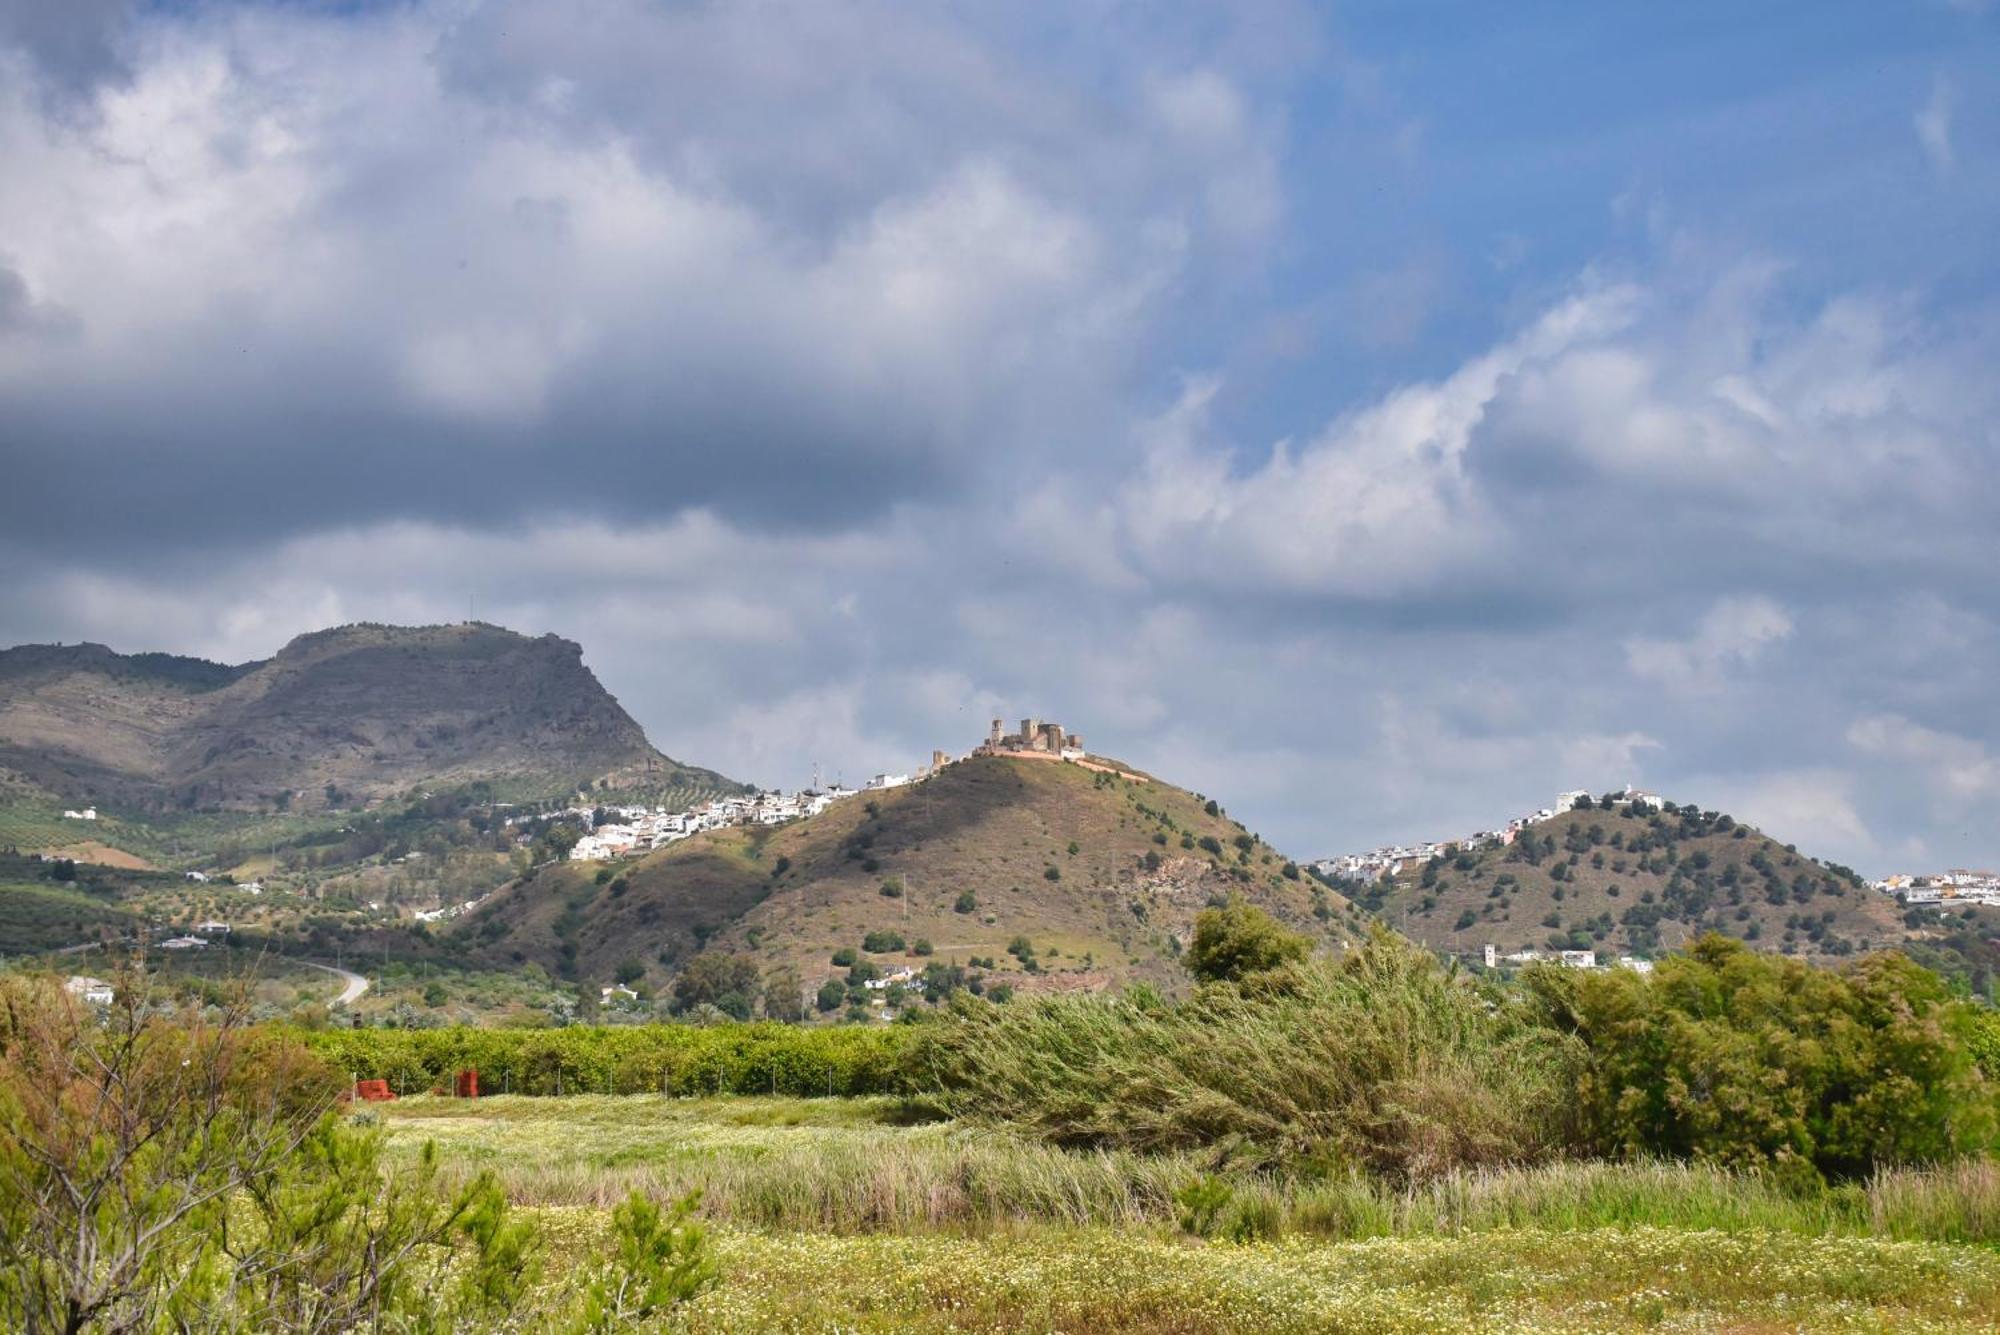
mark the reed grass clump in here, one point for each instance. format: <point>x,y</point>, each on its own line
<point>1385,1061</point>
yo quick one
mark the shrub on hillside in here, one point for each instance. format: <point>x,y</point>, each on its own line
<point>1239,940</point>
<point>1384,1060</point>
<point>1727,1055</point>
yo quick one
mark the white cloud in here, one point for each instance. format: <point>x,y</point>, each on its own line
<point>1734,633</point>
<point>1960,767</point>
<point>1933,122</point>
<point>1812,808</point>
<point>1380,502</point>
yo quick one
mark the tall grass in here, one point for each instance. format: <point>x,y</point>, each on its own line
<point>1383,1062</point>
<point>839,1167</point>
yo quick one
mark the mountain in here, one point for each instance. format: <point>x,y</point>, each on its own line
<point>1102,873</point>
<point>1634,880</point>
<point>351,714</point>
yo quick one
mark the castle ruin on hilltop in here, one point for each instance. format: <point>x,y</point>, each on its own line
<point>1035,738</point>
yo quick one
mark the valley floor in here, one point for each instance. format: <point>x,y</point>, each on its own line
<point>843,1214</point>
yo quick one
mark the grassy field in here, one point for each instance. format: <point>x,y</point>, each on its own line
<point>873,1164</point>
<point>843,1214</point>
<point>1102,1281</point>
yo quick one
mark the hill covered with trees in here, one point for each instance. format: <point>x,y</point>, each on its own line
<point>1620,879</point>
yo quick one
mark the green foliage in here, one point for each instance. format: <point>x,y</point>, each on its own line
<point>727,982</point>
<point>1726,1055</point>
<point>1239,940</point>
<point>177,1172</point>
<point>663,1260</point>
<point>759,1058</point>
<point>1201,1203</point>
<point>966,902</point>
<point>1382,1061</point>
<point>882,942</point>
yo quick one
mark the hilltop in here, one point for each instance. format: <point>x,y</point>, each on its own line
<point>1101,873</point>
<point>1632,879</point>
<point>338,717</point>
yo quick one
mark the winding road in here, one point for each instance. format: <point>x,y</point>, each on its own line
<point>356,984</point>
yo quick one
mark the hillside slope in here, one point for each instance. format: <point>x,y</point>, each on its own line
<point>1641,883</point>
<point>364,711</point>
<point>1103,875</point>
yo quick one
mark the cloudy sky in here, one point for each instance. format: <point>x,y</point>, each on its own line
<point>1379,415</point>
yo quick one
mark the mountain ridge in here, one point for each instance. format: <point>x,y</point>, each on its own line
<point>353,712</point>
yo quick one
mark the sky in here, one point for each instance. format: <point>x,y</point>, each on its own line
<point>1378,416</point>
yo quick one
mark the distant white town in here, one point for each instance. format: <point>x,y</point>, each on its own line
<point>1390,859</point>
<point>630,830</point>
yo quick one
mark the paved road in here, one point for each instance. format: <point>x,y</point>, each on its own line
<point>356,984</point>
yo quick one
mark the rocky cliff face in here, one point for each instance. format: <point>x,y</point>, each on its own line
<point>368,709</point>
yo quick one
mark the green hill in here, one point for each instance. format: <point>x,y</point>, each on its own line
<point>1102,875</point>
<point>1634,882</point>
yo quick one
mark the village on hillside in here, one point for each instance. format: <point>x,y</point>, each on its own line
<point>1958,886</point>
<point>625,831</point>
<point>1391,859</point>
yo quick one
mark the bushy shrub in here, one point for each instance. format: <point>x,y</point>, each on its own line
<point>1726,1055</point>
<point>1384,1061</point>
<point>1238,940</point>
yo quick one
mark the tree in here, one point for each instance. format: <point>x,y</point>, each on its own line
<point>782,996</point>
<point>1233,942</point>
<point>1730,1056</point>
<point>629,971</point>
<point>831,994</point>
<point>965,903</point>
<point>663,1261</point>
<point>183,1171</point>
<point>727,982</point>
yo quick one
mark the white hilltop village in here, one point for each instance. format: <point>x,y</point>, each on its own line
<point>627,831</point>
<point>1947,889</point>
<point>1391,859</point>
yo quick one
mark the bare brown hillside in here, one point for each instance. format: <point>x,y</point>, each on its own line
<point>1102,875</point>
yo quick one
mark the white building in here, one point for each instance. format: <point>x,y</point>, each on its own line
<point>88,813</point>
<point>94,990</point>
<point>211,929</point>
<point>183,943</point>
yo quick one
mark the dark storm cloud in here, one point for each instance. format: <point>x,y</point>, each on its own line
<point>824,370</point>
<point>794,264</point>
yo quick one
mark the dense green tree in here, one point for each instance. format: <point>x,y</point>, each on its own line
<point>1238,940</point>
<point>1728,1055</point>
<point>727,982</point>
